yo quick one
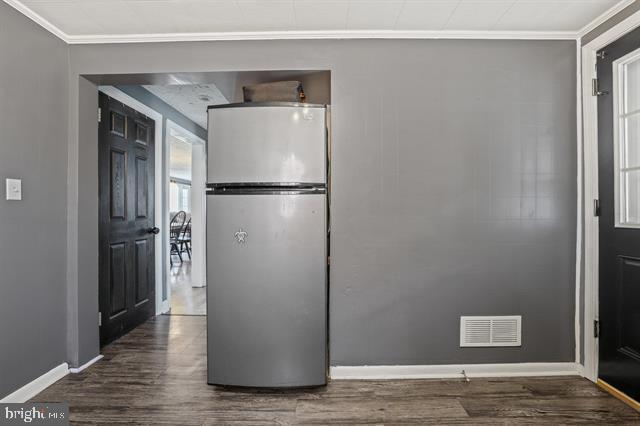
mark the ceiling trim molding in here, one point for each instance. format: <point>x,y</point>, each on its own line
<point>604,17</point>
<point>17,5</point>
<point>314,35</point>
<point>322,35</point>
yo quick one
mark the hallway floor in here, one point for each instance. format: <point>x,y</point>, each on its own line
<point>157,375</point>
<point>186,299</point>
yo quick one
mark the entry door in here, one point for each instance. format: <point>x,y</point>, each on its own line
<point>126,192</point>
<point>619,188</point>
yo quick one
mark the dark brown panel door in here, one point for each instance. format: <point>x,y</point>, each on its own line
<point>126,192</point>
<point>619,189</point>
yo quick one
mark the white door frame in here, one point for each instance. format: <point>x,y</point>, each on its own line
<point>590,153</point>
<point>162,306</point>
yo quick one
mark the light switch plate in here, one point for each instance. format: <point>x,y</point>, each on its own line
<point>14,189</point>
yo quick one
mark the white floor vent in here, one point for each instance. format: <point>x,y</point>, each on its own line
<point>490,331</point>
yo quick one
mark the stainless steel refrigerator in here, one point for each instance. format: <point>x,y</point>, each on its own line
<point>267,245</point>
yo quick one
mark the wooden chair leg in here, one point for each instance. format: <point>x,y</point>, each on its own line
<point>175,250</point>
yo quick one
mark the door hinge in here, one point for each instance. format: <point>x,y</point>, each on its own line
<point>99,319</point>
<point>595,89</point>
<point>596,208</point>
<point>596,328</point>
<point>99,115</point>
<point>601,54</point>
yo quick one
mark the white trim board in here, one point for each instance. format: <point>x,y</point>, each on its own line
<point>321,35</point>
<point>37,385</point>
<point>590,155</point>
<point>604,17</point>
<point>579,214</point>
<point>26,11</point>
<point>453,371</point>
<point>76,370</point>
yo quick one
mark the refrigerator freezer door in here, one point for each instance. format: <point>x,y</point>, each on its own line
<point>267,290</point>
<point>267,144</point>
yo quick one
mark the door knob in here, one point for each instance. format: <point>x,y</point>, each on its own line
<point>153,230</point>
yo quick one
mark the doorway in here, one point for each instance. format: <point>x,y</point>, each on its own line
<point>186,275</point>
<point>180,175</point>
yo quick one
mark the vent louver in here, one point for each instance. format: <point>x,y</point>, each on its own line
<point>490,331</point>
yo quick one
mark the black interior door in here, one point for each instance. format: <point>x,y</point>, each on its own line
<point>619,310</point>
<point>126,234</point>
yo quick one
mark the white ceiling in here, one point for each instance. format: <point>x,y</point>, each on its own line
<point>91,20</point>
<point>191,100</point>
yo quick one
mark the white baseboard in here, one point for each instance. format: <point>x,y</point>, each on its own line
<point>36,386</point>
<point>449,371</point>
<point>85,365</point>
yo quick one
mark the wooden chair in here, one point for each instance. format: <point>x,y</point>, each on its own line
<point>185,239</point>
<point>175,230</point>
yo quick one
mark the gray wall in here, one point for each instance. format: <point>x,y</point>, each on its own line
<point>454,187</point>
<point>611,22</point>
<point>82,230</point>
<point>33,147</point>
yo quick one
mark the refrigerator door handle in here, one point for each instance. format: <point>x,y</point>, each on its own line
<point>265,188</point>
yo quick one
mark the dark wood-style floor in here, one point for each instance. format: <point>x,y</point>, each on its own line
<point>157,375</point>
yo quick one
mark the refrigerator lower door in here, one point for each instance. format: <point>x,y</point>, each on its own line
<point>267,290</point>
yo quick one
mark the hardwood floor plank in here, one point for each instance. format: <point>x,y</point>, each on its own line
<point>562,386</point>
<point>379,410</point>
<point>568,409</point>
<point>157,375</point>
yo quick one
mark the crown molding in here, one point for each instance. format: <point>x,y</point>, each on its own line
<point>321,35</point>
<point>311,35</point>
<point>604,17</point>
<point>17,5</point>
